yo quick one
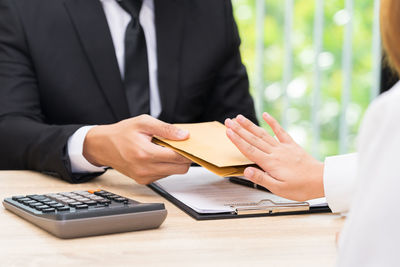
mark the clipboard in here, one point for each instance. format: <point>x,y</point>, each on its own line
<point>263,207</point>
<point>243,211</point>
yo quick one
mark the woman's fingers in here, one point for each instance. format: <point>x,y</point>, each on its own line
<point>280,133</point>
<point>248,136</point>
<point>257,131</point>
<point>260,177</point>
<point>249,151</point>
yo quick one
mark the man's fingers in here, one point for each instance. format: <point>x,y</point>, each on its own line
<point>162,154</point>
<point>248,136</point>
<point>249,151</point>
<point>160,170</point>
<point>280,133</point>
<point>152,126</point>
<point>257,131</point>
<point>260,177</point>
<point>171,168</point>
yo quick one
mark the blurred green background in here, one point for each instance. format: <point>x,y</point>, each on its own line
<point>300,92</point>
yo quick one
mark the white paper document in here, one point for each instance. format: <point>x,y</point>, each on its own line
<point>206,192</point>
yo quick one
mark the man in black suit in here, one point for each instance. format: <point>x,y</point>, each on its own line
<point>64,67</point>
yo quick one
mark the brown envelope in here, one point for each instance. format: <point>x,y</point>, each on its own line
<point>209,147</point>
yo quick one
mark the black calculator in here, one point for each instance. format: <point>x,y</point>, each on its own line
<point>86,213</point>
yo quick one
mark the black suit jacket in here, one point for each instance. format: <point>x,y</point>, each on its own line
<point>58,72</point>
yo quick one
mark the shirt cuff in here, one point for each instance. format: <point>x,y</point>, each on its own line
<point>79,164</point>
<point>339,179</point>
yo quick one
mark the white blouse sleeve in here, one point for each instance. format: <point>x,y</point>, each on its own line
<point>339,179</point>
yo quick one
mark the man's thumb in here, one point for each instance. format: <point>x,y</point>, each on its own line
<point>162,129</point>
<point>171,132</point>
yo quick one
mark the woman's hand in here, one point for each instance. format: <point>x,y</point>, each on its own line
<point>287,169</point>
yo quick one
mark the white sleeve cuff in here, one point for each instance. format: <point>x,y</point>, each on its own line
<point>339,180</point>
<point>79,164</point>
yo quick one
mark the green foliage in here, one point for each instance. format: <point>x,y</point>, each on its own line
<point>300,107</point>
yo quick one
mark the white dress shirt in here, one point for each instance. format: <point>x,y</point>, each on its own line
<point>371,234</point>
<point>118,19</point>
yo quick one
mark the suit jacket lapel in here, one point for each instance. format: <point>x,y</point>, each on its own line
<point>169,17</point>
<point>91,25</point>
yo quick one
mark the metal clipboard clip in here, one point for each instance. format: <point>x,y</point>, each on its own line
<point>267,206</point>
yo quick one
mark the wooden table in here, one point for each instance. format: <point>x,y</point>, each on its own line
<point>300,240</point>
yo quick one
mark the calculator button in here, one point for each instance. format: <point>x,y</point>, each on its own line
<point>57,205</point>
<point>97,198</point>
<point>52,195</point>
<point>73,204</point>
<point>46,200</point>
<point>105,201</point>
<point>93,191</point>
<point>17,197</point>
<point>83,206</point>
<point>81,199</point>
<point>121,199</point>
<point>68,201</point>
<point>42,207</point>
<point>48,210</point>
<point>100,193</point>
<point>90,202</point>
<point>63,208</point>
<point>51,203</point>
<point>27,202</point>
<point>39,197</point>
<point>70,195</point>
<point>86,196</point>
<point>33,205</point>
<point>79,192</point>
<point>23,199</point>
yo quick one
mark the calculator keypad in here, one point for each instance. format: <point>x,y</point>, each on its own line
<point>70,201</point>
<point>86,213</point>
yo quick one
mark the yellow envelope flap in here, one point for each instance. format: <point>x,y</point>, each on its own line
<point>208,142</point>
<point>220,171</point>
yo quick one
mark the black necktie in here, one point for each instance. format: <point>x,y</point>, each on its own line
<point>136,78</point>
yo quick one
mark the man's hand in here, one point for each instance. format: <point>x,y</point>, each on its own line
<point>126,146</point>
<point>287,170</point>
